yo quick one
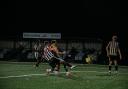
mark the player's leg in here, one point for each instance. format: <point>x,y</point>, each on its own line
<point>65,67</point>
<point>65,63</point>
<point>66,59</point>
<point>36,55</point>
<point>57,62</point>
<point>110,64</point>
<point>68,73</point>
<point>38,62</point>
<point>116,65</point>
<point>58,65</point>
<point>37,59</point>
<point>53,65</point>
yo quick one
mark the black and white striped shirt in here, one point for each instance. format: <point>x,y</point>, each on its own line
<point>48,55</point>
<point>113,47</point>
<point>37,48</point>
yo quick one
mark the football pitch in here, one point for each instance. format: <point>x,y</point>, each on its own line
<point>22,75</point>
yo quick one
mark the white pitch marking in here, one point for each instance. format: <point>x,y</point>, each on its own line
<point>29,75</point>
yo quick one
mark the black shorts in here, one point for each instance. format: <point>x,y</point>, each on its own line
<point>112,57</point>
<point>54,62</point>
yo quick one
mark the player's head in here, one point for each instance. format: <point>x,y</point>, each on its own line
<point>114,37</point>
<point>46,42</point>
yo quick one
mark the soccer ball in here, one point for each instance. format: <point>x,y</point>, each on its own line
<point>48,71</point>
<point>68,74</point>
<point>56,72</point>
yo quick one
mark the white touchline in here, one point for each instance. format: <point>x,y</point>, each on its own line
<point>29,75</point>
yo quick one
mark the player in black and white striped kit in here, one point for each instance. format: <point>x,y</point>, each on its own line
<point>113,52</point>
<point>37,54</point>
<point>50,54</point>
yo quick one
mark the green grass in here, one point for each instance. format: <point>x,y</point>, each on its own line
<point>84,77</point>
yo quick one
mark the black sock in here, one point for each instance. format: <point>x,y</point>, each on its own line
<point>110,68</point>
<point>66,69</point>
<point>37,65</point>
<point>57,67</point>
<point>116,68</point>
<point>52,66</point>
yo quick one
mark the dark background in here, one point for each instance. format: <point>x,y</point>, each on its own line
<point>98,30</point>
<point>72,31</point>
<point>68,7</point>
<point>70,17</point>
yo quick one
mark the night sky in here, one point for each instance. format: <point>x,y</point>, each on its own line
<point>102,31</point>
<point>70,7</point>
